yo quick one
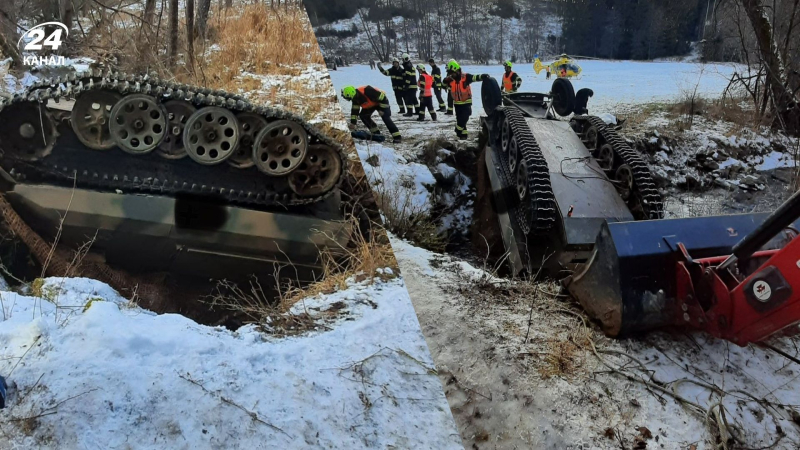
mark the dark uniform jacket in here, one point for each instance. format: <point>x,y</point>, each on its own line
<point>409,76</point>
<point>436,73</point>
<point>397,74</point>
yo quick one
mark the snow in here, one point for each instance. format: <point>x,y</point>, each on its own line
<point>113,375</point>
<point>608,118</point>
<point>481,348</point>
<point>776,160</point>
<point>396,178</point>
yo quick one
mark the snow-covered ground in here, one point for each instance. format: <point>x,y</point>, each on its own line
<point>86,369</point>
<point>499,391</point>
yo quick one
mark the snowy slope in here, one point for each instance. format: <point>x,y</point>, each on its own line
<point>500,399</point>
<point>114,375</point>
<point>512,28</point>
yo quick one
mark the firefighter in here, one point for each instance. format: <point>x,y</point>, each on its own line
<point>426,84</point>
<point>511,81</point>
<point>436,73</point>
<point>396,73</point>
<point>548,72</point>
<point>410,81</point>
<point>449,95</point>
<point>366,100</point>
<point>459,84</point>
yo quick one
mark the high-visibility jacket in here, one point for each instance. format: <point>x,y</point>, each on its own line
<point>511,82</point>
<point>367,97</point>
<point>460,88</point>
<point>436,73</point>
<point>426,84</point>
<point>397,74</point>
<point>410,76</point>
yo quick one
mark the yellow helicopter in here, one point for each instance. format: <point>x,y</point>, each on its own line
<point>563,67</point>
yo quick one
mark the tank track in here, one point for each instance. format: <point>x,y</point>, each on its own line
<point>252,191</point>
<point>538,215</point>
<point>645,192</point>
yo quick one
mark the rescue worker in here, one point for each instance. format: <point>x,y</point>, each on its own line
<point>366,100</point>
<point>397,74</point>
<point>426,84</point>
<point>582,100</point>
<point>410,81</point>
<point>511,81</point>
<point>548,72</point>
<point>449,94</point>
<point>436,73</point>
<point>459,84</point>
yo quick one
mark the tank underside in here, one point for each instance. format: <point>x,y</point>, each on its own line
<point>183,235</point>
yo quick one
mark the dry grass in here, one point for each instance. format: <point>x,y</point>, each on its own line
<point>361,262</point>
<point>681,114</point>
<point>405,218</point>
<point>260,39</point>
<point>243,43</point>
<point>365,260</point>
<point>550,334</point>
<point>560,359</point>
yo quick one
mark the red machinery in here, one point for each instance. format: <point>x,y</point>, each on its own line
<point>746,295</point>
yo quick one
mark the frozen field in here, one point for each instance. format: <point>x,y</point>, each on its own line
<point>615,83</point>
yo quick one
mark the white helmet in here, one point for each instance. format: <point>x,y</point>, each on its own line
<point>406,56</point>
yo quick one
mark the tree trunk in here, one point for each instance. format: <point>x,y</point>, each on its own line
<point>786,111</point>
<point>10,50</point>
<point>173,33</point>
<point>149,14</point>
<point>190,33</point>
<point>67,13</point>
<point>202,17</point>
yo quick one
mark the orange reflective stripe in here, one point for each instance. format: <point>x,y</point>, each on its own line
<point>460,92</point>
<point>507,84</point>
<point>428,85</point>
<point>369,103</point>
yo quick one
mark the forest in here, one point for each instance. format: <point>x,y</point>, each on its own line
<point>611,29</point>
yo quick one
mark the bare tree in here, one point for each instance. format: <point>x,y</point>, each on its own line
<point>67,12</point>
<point>149,14</point>
<point>8,34</point>
<point>202,17</point>
<point>190,33</point>
<point>173,33</point>
<point>785,108</point>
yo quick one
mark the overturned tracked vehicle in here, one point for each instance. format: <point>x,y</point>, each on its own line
<point>554,182</point>
<point>571,199</point>
<point>167,177</point>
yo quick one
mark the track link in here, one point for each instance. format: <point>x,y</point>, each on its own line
<point>645,202</point>
<point>111,178</point>
<point>538,214</point>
